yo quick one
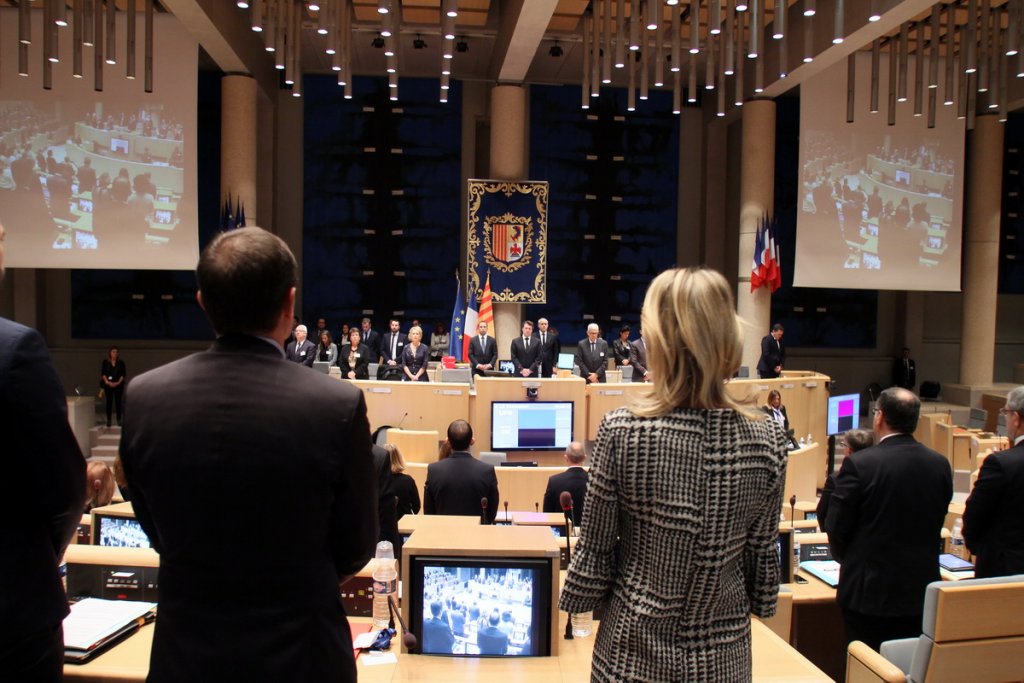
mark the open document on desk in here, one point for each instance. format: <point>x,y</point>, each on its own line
<point>95,624</point>
<point>826,570</point>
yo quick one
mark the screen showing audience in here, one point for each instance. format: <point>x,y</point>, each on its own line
<point>537,425</point>
<point>879,206</point>
<point>122,532</point>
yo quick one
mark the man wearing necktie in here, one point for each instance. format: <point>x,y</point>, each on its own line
<point>391,348</point>
<point>904,371</point>
<point>773,354</point>
<point>549,348</point>
<point>526,352</point>
<point>483,351</point>
<point>592,356</point>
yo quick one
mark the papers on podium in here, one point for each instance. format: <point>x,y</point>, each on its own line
<point>95,624</point>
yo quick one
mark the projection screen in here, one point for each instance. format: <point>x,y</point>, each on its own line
<point>880,207</point>
<point>99,179</point>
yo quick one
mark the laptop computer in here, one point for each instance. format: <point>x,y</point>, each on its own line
<point>322,366</point>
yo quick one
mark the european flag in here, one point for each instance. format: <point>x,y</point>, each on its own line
<point>458,322</point>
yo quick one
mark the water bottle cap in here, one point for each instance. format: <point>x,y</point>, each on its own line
<point>385,551</point>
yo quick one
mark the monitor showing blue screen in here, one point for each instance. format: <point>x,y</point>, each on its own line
<point>566,361</point>
<point>531,425</point>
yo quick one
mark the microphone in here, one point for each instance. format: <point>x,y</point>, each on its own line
<point>536,506</point>
<point>565,500</point>
<point>402,420</point>
<point>408,637</point>
<point>506,512</point>
<point>483,510</point>
<point>792,511</point>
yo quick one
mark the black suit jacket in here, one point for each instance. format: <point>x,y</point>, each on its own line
<point>574,480</point>
<point>456,484</point>
<point>902,375</point>
<point>884,520</point>
<point>387,516</point>
<point>526,358</point>
<point>770,412</point>
<point>362,364</point>
<point>48,489</point>
<point>994,517</point>
<point>303,354</point>
<point>772,354</point>
<point>385,347</point>
<point>482,356</point>
<point>262,473</point>
<point>549,349</point>
<point>592,361</point>
<point>639,360</point>
<point>372,341</point>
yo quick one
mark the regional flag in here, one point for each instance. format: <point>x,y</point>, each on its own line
<point>486,314</point>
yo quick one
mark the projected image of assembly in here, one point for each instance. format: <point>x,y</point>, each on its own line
<point>478,611</point>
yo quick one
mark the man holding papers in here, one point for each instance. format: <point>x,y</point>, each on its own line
<point>254,480</point>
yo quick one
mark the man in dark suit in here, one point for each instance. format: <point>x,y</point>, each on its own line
<point>773,354</point>
<point>391,346</point>
<point>884,520</point>
<point>437,634</point>
<point>640,371</point>
<point>526,352</point>
<point>387,516</point>
<point>49,495</point>
<point>993,519</point>
<point>574,480</point>
<point>301,350</point>
<point>549,348</point>
<point>273,491</point>
<point>592,356</point>
<point>457,484</point>
<point>904,371</point>
<point>483,351</point>
<point>372,340</point>
<point>492,640</point>
<point>86,176</point>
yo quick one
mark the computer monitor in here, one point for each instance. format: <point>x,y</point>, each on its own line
<point>843,413</point>
<point>531,425</point>
<point>480,607</point>
<point>163,216</point>
<point>84,205</point>
<point>784,552</point>
<point>506,366</point>
<point>117,531</point>
<point>565,361</point>
<point>119,145</point>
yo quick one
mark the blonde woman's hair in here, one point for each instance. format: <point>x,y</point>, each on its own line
<point>694,342</point>
<point>99,483</point>
<point>416,329</point>
<point>397,461</point>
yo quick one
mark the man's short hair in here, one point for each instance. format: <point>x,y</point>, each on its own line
<point>859,439</point>
<point>365,320</point>
<point>527,322</point>
<point>244,277</point>
<point>900,409</point>
<point>495,618</point>
<point>1015,400</point>
<point>777,327</point>
<point>460,435</point>
<point>624,328</point>
<point>595,326</point>
<point>574,453</point>
<point>435,608</point>
<point>301,328</point>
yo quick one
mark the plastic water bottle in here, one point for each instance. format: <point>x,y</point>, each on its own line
<point>796,553</point>
<point>956,541</point>
<point>810,438</point>
<point>582,624</point>
<point>385,584</point>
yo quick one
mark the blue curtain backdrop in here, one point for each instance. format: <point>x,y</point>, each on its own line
<point>382,193</point>
<point>612,211</point>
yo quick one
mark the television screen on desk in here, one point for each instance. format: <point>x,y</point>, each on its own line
<point>843,413</point>
<point>475,607</point>
<point>531,425</point>
<point>119,532</point>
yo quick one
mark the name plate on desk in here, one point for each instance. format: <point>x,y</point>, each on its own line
<point>810,385</point>
<point>786,386</point>
<point>449,392</point>
<point>611,392</point>
<point>378,390</point>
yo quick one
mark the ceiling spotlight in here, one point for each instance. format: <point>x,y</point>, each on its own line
<point>243,4</point>
<point>378,42</point>
<point>419,43</point>
<point>556,50</point>
<point>382,7</point>
<point>313,6</point>
<point>462,46</point>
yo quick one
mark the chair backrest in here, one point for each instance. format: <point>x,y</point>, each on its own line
<point>978,418</point>
<point>460,375</point>
<point>973,630</point>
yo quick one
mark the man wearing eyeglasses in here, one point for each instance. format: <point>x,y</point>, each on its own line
<point>884,522</point>
<point>993,523</point>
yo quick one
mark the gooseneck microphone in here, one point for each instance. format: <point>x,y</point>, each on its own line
<point>536,506</point>
<point>408,637</point>
<point>565,500</point>
<point>507,520</point>
<point>792,511</point>
<point>402,420</point>
<point>483,510</point>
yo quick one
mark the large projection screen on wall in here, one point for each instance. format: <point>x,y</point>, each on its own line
<point>99,179</point>
<point>880,206</point>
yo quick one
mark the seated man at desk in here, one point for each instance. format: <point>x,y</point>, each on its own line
<point>573,480</point>
<point>459,484</point>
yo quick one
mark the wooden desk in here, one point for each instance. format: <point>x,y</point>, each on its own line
<point>927,431</point>
<point>422,406</point>
<point>802,471</point>
<point>773,660</point>
<point>415,446</point>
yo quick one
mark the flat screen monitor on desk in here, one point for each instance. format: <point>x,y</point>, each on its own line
<point>566,361</point>
<point>843,413</point>
<point>119,145</point>
<point>531,425</point>
<point>119,532</point>
<point>506,366</point>
<point>477,607</point>
<point>784,552</point>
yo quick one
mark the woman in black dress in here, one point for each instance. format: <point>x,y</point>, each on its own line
<point>354,358</point>
<point>407,495</point>
<point>415,357</point>
<point>112,378</point>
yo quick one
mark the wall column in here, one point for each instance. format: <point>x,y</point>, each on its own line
<point>757,198</point>
<point>239,141</point>
<point>508,162</point>
<point>981,251</point>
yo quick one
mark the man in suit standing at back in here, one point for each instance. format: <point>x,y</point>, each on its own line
<point>526,352</point>
<point>48,473</point>
<point>993,519</point>
<point>884,520</point>
<point>483,351</point>
<point>301,351</point>
<point>457,484</point>
<point>371,338</point>
<point>274,489</point>
<point>549,348</point>
<point>574,480</point>
<point>592,356</point>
